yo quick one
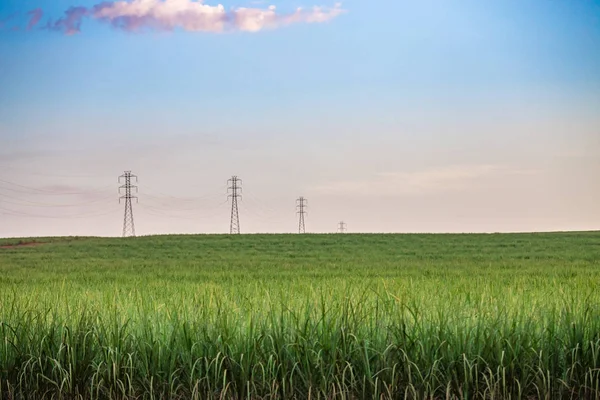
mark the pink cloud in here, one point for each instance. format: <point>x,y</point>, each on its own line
<point>4,21</point>
<point>70,24</point>
<point>189,15</point>
<point>35,16</point>
<point>162,15</point>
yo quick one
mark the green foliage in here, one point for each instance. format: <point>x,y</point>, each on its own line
<point>302,316</point>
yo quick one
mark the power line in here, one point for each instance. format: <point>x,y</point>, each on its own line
<point>128,225</point>
<point>152,193</point>
<point>47,192</point>
<point>174,205</point>
<point>262,206</point>
<point>245,206</point>
<point>195,214</point>
<point>342,227</point>
<point>301,206</point>
<point>22,171</point>
<point>27,203</point>
<point>234,226</point>
<point>90,214</point>
<point>258,208</point>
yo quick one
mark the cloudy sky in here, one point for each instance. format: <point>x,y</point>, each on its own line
<point>393,116</point>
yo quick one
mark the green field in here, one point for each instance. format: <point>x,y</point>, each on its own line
<point>302,316</point>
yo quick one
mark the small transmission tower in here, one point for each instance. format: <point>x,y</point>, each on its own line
<point>236,189</point>
<point>128,225</point>
<point>301,206</point>
<point>342,227</point>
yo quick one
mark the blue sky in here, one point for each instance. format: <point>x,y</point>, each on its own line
<point>461,99</point>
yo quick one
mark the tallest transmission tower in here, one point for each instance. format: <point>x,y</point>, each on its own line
<point>301,206</point>
<point>236,191</point>
<point>128,225</point>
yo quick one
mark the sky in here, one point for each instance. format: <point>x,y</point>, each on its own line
<point>392,116</point>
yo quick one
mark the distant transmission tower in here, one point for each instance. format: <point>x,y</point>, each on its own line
<point>342,227</point>
<point>128,225</point>
<point>236,189</point>
<point>301,206</point>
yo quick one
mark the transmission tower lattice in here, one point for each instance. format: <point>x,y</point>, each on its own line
<point>128,225</point>
<point>342,227</point>
<point>236,189</point>
<point>301,206</point>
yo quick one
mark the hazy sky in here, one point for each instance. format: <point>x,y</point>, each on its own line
<point>394,116</point>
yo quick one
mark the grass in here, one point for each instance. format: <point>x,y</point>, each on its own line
<point>302,316</point>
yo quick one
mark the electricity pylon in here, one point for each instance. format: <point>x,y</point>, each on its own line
<point>236,189</point>
<point>128,225</point>
<point>301,206</point>
<point>342,227</point>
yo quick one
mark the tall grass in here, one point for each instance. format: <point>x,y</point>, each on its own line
<point>354,317</point>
